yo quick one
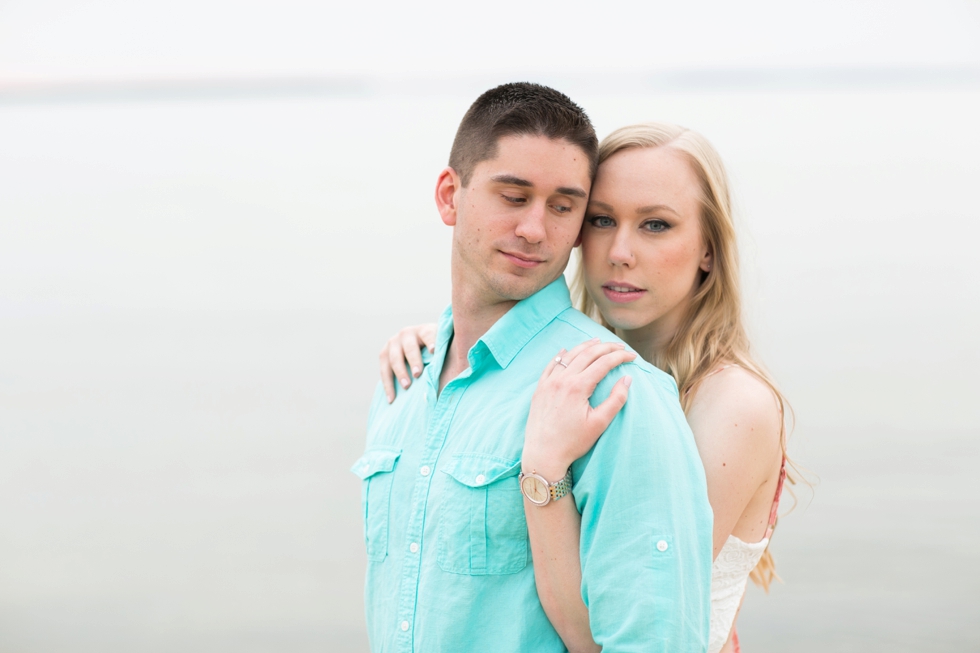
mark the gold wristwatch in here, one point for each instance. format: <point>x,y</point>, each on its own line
<point>540,492</point>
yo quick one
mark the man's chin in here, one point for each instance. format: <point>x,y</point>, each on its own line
<point>517,287</point>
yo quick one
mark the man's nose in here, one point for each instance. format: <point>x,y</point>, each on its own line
<point>532,225</point>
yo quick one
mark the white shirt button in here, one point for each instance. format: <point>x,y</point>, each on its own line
<point>425,470</point>
<point>404,625</point>
<point>662,546</point>
<point>413,547</point>
<point>480,478</point>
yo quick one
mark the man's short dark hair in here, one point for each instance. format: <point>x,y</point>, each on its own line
<point>520,108</point>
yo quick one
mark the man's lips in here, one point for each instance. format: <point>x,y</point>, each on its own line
<point>522,260</point>
<point>622,292</point>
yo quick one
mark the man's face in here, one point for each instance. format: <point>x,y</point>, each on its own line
<point>517,220</point>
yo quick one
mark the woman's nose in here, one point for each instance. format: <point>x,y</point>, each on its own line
<point>621,252</point>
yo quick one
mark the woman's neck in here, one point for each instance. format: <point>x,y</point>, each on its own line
<point>652,340</point>
<point>648,345</point>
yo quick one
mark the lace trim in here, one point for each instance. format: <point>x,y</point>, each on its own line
<point>729,576</point>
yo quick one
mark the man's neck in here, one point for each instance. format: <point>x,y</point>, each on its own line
<point>471,319</point>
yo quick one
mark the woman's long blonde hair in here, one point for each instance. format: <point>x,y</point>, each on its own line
<point>711,334</point>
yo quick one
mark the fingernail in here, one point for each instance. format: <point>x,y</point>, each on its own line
<point>628,380</point>
<point>596,340</point>
<point>404,383</point>
<point>390,399</point>
<point>416,371</point>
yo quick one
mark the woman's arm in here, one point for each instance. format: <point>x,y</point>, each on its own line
<point>562,427</point>
<point>736,424</point>
<point>554,530</point>
<point>404,350</point>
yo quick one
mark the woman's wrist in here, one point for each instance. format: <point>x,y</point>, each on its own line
<point>548,465</point>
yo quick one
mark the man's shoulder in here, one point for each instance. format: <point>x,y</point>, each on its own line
<point>576,320</point>
<point>575,327</point>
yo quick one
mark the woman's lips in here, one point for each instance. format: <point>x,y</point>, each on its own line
<point>520,261</point>
<point>622,293</point>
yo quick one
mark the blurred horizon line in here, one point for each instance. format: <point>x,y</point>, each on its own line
<point>354,86</point>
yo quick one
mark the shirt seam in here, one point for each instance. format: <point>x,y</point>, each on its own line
<point>631,364</point>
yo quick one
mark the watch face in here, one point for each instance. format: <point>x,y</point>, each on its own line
<point>535,490</point>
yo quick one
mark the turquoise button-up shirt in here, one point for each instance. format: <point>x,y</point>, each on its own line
<point>449,562</point>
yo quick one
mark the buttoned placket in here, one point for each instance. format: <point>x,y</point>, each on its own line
<point>440,407</point>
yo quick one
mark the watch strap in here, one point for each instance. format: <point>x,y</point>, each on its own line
<point>560,488</point>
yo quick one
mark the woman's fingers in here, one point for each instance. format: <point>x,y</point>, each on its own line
<point>604,413</point>
<point>404,350</point>
<point>587,380</point>
<point>570,356</point>
<point>552,364</point>
<point>585,354</point>
<point>590,354</point>
<point>396,358</point>
<point>427,334</point>
<point>387,376</point>
<point>410,344</point>
<point>603,365</point>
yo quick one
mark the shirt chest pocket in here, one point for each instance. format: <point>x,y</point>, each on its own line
<point>482,530</point>
<point>375,469</point>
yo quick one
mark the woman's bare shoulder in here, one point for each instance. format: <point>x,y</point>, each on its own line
<point>736,403</point>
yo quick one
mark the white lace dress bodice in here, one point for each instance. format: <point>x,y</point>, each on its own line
<point>729,576</point>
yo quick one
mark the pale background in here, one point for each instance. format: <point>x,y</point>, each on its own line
<point>212,214</point>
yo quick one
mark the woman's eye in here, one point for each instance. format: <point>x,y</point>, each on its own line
<point>656,225</point>
<point>601,221</point>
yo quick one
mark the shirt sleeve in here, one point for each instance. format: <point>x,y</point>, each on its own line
<point>646,525</point>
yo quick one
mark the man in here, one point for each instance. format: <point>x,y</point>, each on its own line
<point>449,564</point>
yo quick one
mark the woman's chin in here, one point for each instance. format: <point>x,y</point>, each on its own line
<point>625,319</point>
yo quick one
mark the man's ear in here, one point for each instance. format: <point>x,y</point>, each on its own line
<point>447,187</point>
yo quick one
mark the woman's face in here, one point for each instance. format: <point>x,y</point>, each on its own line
<point>641,242</point>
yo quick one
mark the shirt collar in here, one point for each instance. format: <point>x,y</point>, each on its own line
<point>515,329</point>
<point>511,332</point>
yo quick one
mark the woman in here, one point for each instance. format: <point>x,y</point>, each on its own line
<point>659,266</point>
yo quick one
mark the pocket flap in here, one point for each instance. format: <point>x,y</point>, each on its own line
<point>374,461</point>
<point>477,469</point>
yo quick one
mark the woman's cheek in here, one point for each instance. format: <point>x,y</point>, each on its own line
<point>594,254</point>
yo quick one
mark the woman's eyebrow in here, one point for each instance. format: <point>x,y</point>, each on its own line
<point>656,207</point>
<point>643,209</point>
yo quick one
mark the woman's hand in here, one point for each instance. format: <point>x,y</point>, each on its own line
<point>562,426</point>
<point>404,350</point>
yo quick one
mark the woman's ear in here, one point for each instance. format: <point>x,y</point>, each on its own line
<point>707,260</point>
<point>447,187</point>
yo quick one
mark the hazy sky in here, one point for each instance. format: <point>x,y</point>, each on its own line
<point>69,40</point>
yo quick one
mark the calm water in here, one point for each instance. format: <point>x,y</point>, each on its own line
<point>192,295</point>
